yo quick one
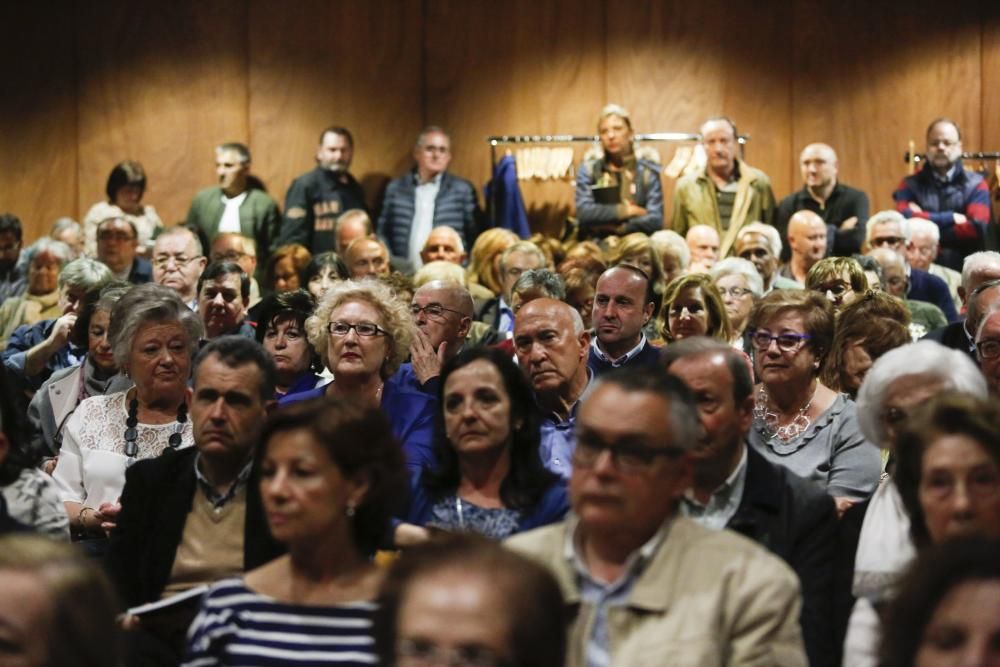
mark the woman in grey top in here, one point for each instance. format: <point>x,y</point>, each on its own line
<point>798,421</point>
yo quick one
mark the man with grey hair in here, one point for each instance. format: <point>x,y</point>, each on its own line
<point>443,244</point>
<point>237,204</point>
<point>760,244</point>
<point>427,197</point>
<point>178,260</point>
<point>979,268</point>
<point>703,243</point>
<point>988,349</point>
<point>922,251</point>
<point>515,260</point>
<point>70,232</point>
<point>628,561</point>
<point>552,347</point>
<point>727,194</point>
<point>844,209</point>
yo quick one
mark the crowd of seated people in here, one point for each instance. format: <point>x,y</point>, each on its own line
<point>749,432</point>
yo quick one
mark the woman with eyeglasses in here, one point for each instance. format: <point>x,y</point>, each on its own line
<point>840,279</point>
<point>798,421</point>
<point>363,332</point>
<point>489,478</point>
<point>740,286</point>
<point>692,306</point>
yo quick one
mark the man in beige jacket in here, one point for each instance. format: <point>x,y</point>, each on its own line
<point>643,585</point>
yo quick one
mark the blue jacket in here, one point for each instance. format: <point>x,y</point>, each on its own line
<point>930,288</point>
<point>456,206</point>
<point>23,339</point>
<point>504,201</point>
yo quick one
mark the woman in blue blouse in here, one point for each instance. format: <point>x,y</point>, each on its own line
<point>489,478</point>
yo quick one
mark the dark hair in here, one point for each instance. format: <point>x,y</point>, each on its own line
<point>684,423</point>
<point>815,309</point>
<point>533,604</point>
<point>321,261</point>
<point>737,362</point>
<point>11,223</point>
<point>336,129</point>
<point>217,270</point>
<point>950,413</point>
<point>104,299</point>
<point>14,425</point>
<point>359,441</point>
<point>527,478</point>
<point>236,147</point>
<point>128,172</point>
<point>296,252</point>
<point>936,572</point>
<point>295,304</point>
<point>236,351</point>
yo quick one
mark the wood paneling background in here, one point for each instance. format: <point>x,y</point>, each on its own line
<point>84,85</point>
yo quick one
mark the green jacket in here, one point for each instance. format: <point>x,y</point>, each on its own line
<point>260,218</point>
<point>695,204</point>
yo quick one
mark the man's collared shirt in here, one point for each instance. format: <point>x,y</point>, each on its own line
<point>722,505</point>
<point>558,437</point>
<point>423,216</point>
<point>230,221</point>
<point>948,176</point>
<point>622,360</point>
<point>605,595</point>
<point>219,500</point>
<point>505,317</point>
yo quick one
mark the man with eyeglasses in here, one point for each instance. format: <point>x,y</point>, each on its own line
<point>954,198</point>
<point>117,245</point>
<point>988,349</point>
<point>630,565</point>
<point>738,489</point>
<point>760,244</point>
<point>623,305</point>
<point>178,261</point>
<point>925,316</point>
<point>979,269</point>
<point>442,312</point>
<point>890,230</point>
<point>223,295</point>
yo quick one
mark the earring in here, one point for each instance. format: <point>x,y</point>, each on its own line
<point>350,511</point>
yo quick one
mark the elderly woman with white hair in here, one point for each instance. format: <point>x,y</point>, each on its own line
<point>740,285</point>
<point>364,332</point>
<point>896,386</point>
<point>42,300</point>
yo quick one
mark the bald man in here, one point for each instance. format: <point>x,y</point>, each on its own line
<point>703,242</point>
<point>367,258</point>
<point>844,209</point>
<point>807,240</point>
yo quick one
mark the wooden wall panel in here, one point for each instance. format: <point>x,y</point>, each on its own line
<point>675,63</point>
<point>521,67</point>
<point>163,84</point>
<point>38,140</point>
<point>866,89</point>
<point>991,78</point>
<point>319,63</point>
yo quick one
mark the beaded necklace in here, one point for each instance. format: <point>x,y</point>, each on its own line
<point>132,430</point>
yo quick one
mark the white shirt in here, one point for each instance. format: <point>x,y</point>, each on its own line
<point>423,217</point>
<point>230,221</point>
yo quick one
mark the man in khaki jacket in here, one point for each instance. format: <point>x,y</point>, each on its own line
<point>644,585</point>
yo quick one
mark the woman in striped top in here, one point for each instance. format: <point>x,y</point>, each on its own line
<point>331,476</point>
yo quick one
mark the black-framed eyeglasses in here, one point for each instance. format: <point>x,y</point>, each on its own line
<point>435,310</point>
<point>366,329</point>
<point>838,288</point>
<point>787,342</point>
<point>628,458</point>
<point>420,652</point>
<point>887,240</point>
<point>988,349</point>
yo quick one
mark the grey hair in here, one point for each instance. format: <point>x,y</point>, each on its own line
<point>439,271</point>
<point>883,217</point>
<point>47,244</point>
<point>978,263</point>
<point>925,358</point>
<point>460,244</point>
<point>149,303</point>
<point>62,224</point>
<point>990,312</point>
<point>544,280</point>
<point>919,225</point>
<point>86,274</point>
<point>526,247</point>
<point>430,129</point>
<point>737,266</point>
<point>396,318</point>
<point>667,240</point>
<point>973,312</point>
<point>578,325</point>
<point>769,233</point>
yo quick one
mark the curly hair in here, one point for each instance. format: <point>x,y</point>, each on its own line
<point>815,309</point>
<point>719,327</point>
<point>395,314</point>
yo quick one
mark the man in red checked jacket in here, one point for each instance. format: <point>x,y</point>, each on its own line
<point>956,199</point>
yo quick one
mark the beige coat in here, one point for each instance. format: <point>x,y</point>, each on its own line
<point>706,599</point>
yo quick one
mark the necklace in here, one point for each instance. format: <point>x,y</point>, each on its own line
<point>769,422</point>
<point>132,430</point>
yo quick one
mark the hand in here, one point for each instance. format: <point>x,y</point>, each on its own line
<point>843,504</point>
<point>61,331</point>
<point>408,535</point>
<point>48,465</point>
<point>128,622</point>
<point>915,207</point>
<point>849,224</point>
<point>107,515</point>
<point>634,210</point>
<point>960,218</point>
<point>426,361</point>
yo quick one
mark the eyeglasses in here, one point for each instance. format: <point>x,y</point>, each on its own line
<point>787,342</point>
<point>759,253</point>
<point>735,292</point>
<point>162,261</point>
<point>420,653</point>
<point>366,329</point>
<point>887,240</point>
<point>627,458</point>
<point>988,349</point>
<point>836,289</point>
<point>434,310</point>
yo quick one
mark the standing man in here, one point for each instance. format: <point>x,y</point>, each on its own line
<point>623,304</point>
<point>178,260</point>
<point>728,194</point>
<point>642,584</point>
<point>427,197</point>
<point>117,244</point>
<point>844,209</point>
<point>807,239</point>
<point>316,198</point>
<point>954,198</point>
<point>233,206</point>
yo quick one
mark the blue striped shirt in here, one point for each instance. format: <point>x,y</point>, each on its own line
<point>237,626</point>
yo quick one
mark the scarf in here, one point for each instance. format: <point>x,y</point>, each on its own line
<point>884,545</point>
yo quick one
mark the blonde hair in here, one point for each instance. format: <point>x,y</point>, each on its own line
<point>488,246</point>
<point>440,270</point>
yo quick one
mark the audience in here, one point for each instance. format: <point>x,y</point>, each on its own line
<point>921,251</point>
<point>623,306</point>
<point>442,312</point>
<point>444,244</point>
<point>675,256</point>
<point>367,258</point>
<point>234,247</point>
<point>323,272</point>
<point>70,232</point>
<point>516,259</point>
<point>979,268</point>
<point>760,244</point>
<point>988,349</point>
<point>117,248</point>
<point>703,245</point>
<point>352,224</point>
<point>223,296</point>
<point>841,280</point>
<point>485,281</point>
<point>284,268</point>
